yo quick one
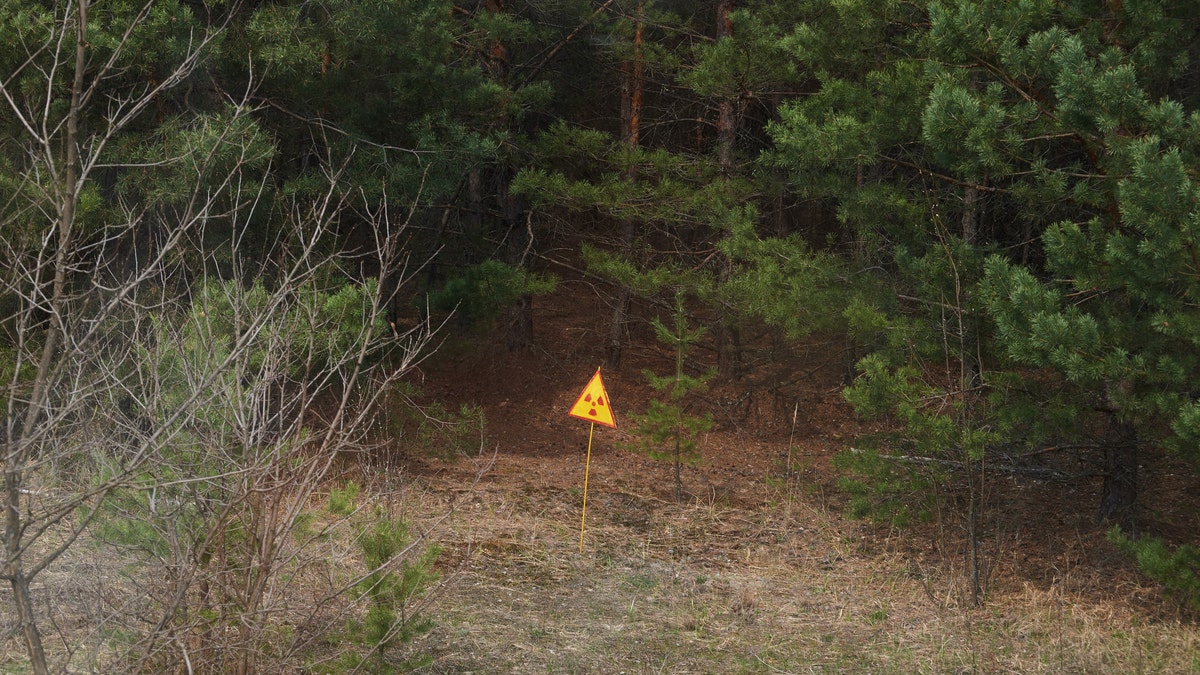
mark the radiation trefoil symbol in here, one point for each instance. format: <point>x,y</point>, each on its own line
<point>593,404</point>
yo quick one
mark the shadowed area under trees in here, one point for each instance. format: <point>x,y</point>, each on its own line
<point>269,265</point>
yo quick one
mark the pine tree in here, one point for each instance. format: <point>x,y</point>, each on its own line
<point>666,431</point>
<point>1020,174</point>
<point>661,184</point>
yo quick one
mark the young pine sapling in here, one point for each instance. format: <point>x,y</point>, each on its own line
<point>666,432</point>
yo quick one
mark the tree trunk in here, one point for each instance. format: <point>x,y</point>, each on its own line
<point>15,571</point>
<point>18,452</point>
<point>519,324</point>
<point>974,559</point>
<point>517,222</point>
<point>729,339</point>
<point>473,222</point>
<point>620,315</point>
<point>519,315</point>
<point>969,379</point>
<point>631,90</point>
<point>678,462</point>
<point>631,125</point>
<point>726,117</point>
<point>1119,495</point>
<point>726,333</point>
<point>969,336</point>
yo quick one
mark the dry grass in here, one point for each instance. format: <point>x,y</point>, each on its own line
<point>714,588</point>
<point>711,586</point>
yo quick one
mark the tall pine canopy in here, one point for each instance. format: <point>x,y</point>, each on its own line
<point>1019,178</point>
<point>232,228</point>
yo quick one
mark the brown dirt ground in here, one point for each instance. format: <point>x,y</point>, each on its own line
<point>759,571</point>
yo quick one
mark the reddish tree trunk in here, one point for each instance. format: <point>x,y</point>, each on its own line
<point>726,115</point>
<point>631,126</point>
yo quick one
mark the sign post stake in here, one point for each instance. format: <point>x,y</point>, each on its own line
<point>586,467</point>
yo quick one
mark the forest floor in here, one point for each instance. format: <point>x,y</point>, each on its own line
<point>758,569</point>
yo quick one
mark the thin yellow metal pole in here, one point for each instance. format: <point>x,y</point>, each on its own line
<point>586,467</point>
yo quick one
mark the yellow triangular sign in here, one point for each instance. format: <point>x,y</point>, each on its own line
<point>593,404</point>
